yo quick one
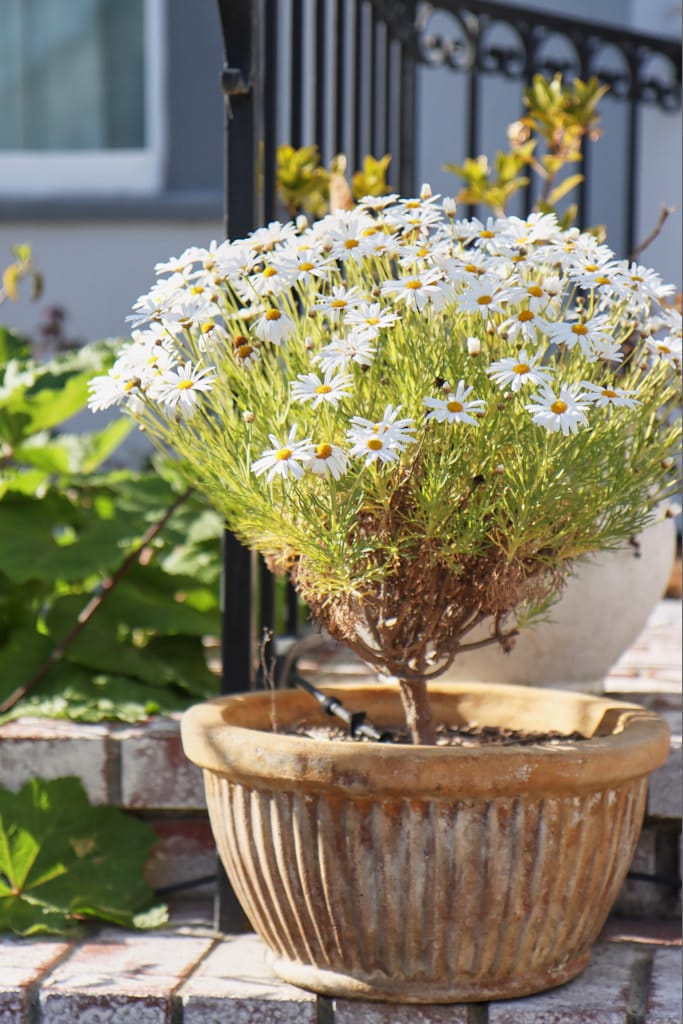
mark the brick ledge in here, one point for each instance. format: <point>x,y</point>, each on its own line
<point>190,975</point>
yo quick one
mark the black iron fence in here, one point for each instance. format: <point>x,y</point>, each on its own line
<point>344,74</point>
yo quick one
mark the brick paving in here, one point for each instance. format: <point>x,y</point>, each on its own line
<point>188,974</point>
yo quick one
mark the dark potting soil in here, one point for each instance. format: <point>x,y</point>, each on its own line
<point>472,735</point>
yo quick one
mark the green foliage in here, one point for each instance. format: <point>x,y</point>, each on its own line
<point>304,185</point>
<point>22,266</point>
<point>545,142</point>
<point>63,862</point>
<point>65,527</point>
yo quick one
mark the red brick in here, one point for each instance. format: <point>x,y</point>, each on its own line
<point>51,749</point>
<point>155,773</point>
<point>235,984</point>
<point>120,978</point>
<point>350,1011</point>
<point>185,850</point>
<point>598,996</point>
<point>22,964</point>
<point>666,988</point>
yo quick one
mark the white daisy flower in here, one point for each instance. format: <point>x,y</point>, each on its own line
<point>564,411</point>
<point>284,458</point>
<point>517,371</point>
<point>340,352</point>
<point>110,389</point>
<point>602,396</point>
<point>455,408</point>
<point>487,294</point>
<point>327,459</point>
<point>308,387</point>
<point>339,302</point>
<point>670,349</point>
<point>181,387</point>
<point>419,290</point>
<point>524,323</point>
<point>273,325</point>
<point>595,336</point>
<point>368,319</point>
<point>382,441</point>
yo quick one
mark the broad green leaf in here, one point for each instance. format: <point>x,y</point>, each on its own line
<point>12,346</point>
<point>65,860</point>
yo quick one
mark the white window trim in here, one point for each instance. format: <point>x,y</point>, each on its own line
<point>97,172</point>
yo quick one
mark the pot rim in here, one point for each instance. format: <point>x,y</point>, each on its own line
<point>230,736</point>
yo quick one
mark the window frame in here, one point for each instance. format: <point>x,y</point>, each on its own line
<point>98,172</point>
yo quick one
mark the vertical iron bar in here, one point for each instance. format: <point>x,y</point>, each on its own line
<point>632,153</point>
<point>373,99</point>
<point>270,95</point>
<point>241,22</point>
<point>341,29</point>
<point>407,122</point>
<point>296,57</point>
<point>473,104</point>
<point>359,82</point>
<point>320,90</point>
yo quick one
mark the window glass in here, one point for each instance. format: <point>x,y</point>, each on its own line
<point>72,75</point>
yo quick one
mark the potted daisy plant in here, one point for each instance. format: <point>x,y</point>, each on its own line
<point>424,421</point>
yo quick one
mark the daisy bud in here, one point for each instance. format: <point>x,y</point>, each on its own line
<point>667,463</point>
<point>426,191</point>
<point>473,346</point>
<point>449,207</point>
<point>312,313</point>
<point>301,222</point>
<point>309,343</point>
<point>499,469</point>
<point>248,416</point>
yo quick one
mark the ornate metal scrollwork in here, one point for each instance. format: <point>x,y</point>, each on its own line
<point>650,70</point>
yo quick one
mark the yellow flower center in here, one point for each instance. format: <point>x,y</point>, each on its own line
<point>368,232</point>
<point>579,329</point>
<point>374,444</point>
<point>559,407</point>
<point>269,272</point>
<point>414,204</point>
<point>535,291</point>
<point>454,406</point>
<point>196,289</point>
<point>485,300</point>
<point>323,451</point>
<point>283,454</point>
<point>351,243</point>
<point>273,314</point>
<point>525,316</point>
<point>603,280</point>
<point>207,327</point>
<point>487,234</point>
<point>663,348</point>
<point>521,368</point>
<point>414,284</point>
<point>323,389</point>
<point>130,385</point>
<point>338,303</point>
<point>185,385</point>
<point>471,268</point>
<point>244,351</point>
<point>372,321</point>
<point>609,394</point>
<point>592,267</point>
<point>306,266</point>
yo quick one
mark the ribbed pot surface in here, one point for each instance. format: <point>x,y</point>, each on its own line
<point>361,891</point>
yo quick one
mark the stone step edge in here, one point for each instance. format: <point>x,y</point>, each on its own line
<point>190,975</point>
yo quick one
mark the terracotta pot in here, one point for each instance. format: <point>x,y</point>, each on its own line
<point>604,606</point>
<point>426,874</point>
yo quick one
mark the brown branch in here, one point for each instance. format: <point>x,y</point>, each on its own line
<point>665,212</point>
<point>93,605</point>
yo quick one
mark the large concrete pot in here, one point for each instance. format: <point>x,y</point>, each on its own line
<point>426,874</point>
<point>604,606</point>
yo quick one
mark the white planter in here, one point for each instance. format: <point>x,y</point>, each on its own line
<point>604,606</point>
